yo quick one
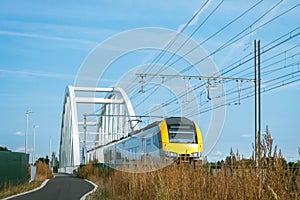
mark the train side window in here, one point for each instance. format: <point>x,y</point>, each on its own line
<point>148,142</point>
<point>155,140</point>
<point>148,145</point>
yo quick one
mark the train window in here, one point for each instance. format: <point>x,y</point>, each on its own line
<point>148,145</point>
<point>177,126</point>
<point>148,142</point>
<point>182,134</point>
<point>155,140</point>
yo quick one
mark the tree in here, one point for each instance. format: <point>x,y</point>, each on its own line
<point>44,160</point>
<point>4,149</point>
<point>47,160</point>
<point>232,159</point>
<point>54,162</point>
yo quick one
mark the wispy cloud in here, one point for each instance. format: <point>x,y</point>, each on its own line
<point>196,18</point>
<point>37,74</point>
<point>46,37</point>
<point>19,149</point>
<point>218,153</point>
<point>245,41</point>
<point>292,158</point>
<point>22,149</point>
<point>277,6</point>
<point>216,156</point>
<point>19,133</point>
<point>246,136</point>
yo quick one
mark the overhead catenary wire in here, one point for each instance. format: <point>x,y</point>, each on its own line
<point>280,83</point>
<point>172,41</point>
<point>270,48</point>
<point>274,83</point>
<point>290,36</point>
<point>277,80</point>
<point>214,34</point>
<point>265,49</point>
<point>264,70</point>
<point>191,35</point>
<point>248,95</point>
<point>264,61</point>
<point>245,89</point>
<point>226,26</point>
<point>232,40</point>
<point>173,54</point>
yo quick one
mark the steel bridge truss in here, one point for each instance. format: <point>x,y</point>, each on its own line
<point>92,117</point>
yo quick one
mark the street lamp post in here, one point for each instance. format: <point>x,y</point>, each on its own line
<point>26,134</point>
<point>34,127</point>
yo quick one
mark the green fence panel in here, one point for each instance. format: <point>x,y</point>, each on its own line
<point>13,168</point>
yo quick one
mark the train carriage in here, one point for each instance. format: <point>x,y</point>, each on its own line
<point>172,139</point>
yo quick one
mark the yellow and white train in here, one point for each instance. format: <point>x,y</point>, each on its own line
<point>172,139</point>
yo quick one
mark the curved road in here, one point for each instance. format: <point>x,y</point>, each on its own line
<point>61,187</point>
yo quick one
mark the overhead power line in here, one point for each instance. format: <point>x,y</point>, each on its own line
<point>180,47</point>
<point>172,41</point>
<point>211,36</point>
<point>287,79</point>
<point>241,62</point>
<point>232,40</point>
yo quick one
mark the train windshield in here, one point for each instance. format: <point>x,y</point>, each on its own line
<point>180,133</point>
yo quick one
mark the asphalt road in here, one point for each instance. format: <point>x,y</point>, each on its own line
<point>62,187</point>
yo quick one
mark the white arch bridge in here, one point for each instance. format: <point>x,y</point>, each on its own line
<point>92,117</point>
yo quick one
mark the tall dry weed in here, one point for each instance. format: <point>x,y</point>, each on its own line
<point>43,172</point>
<point>235,179</point>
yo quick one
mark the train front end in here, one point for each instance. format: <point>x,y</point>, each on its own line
<point>181,139</point>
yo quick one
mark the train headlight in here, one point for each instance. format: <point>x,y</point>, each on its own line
<point>196,154</point>
<point>171,154</point>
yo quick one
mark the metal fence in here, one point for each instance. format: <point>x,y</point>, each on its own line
<point>13,168</point>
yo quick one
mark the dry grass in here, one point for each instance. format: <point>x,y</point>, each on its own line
<point>43,172</point>
<point>237,179</point>
<point>9,190</point>
<point>183,182</point>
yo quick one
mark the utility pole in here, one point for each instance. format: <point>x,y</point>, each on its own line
<point>257,100</point>
<point>33,153</point>
<point>26,133</point>
<point>84,142</point>
<point>50,149</point>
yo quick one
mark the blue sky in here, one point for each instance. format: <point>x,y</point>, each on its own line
<point>43,44</point>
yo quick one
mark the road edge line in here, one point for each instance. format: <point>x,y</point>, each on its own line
<point>33,190</point>
<point>90,192</point>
